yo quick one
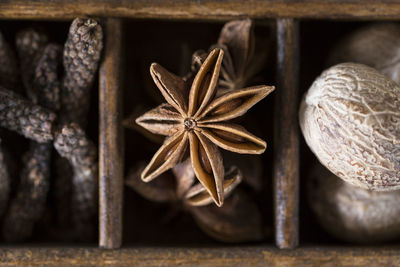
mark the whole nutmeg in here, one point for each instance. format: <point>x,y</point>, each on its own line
<point>350,213</point>
<point>376,45</point>
<point>350,118</point>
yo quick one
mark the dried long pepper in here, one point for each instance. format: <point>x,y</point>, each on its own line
<point>81,57</point>
<point>22,116</point>
<point>28,205</point>
<point>72,144</point>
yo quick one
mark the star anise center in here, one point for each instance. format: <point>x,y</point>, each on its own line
<point>189,124</point>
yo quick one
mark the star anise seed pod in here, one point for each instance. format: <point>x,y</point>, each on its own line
<point>237,41</point>
<point>179,186</point>
<point>201,123</point>
<point>239,220</point>
<point>241,63</point>
<point>197,195</point>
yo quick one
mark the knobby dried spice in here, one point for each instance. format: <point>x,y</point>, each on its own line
<point>22,116</point>
<point>72,144</point>
<point>8,79</point>
<point>82,52</point>
<point>197,118</point>
<point>36,120</point>
<point>81,57</point>
<point>46,83</point>
<point>28,205</point>
<point>30,44</point>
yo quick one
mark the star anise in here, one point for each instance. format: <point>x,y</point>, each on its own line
<point>240,63</point>
<point>239,220</point>
<point>201,123</point>
<point>181,186</point>
<point>237,41</point>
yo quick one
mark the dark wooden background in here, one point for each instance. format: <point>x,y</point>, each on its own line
<point>289,249</point>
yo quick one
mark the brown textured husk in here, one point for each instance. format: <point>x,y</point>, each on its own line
<point>72,144</point>
<point>30,120</point>
<point>350,213</point>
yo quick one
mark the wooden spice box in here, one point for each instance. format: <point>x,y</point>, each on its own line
<point>295,58</point>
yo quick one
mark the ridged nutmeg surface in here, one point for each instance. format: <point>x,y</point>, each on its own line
<point>350,118</point>
<point>351,213</point>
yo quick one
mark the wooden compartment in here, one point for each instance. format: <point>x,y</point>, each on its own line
<point>171,44</point>
<point>289,248</point>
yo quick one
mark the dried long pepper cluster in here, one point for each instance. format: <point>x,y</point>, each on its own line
<point>28,205</point>
<point>36,120</point>
<point>8,79</point>
<point>80,59</point>
<point>72,144</point>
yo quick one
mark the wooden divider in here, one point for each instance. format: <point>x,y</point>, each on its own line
<point>192,9</point>
<point>111,140</point>
<point>195,256</point>
<point>286,161</point>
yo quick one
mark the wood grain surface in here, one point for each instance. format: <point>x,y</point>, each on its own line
<point>179,256</point>
<point>200,9</point>
<point>111,140</point>
<point>286,141</point>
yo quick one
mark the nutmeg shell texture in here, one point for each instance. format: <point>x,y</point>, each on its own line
<point>350,118</point>
<point>351,213</point>
<point>376,45</point>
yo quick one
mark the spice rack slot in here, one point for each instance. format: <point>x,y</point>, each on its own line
<point>289,249</point>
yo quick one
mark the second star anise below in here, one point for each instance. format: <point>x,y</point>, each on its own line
<point>197,117</point>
